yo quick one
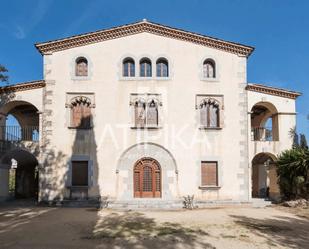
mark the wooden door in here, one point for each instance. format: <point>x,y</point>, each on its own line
<point>147,179</point>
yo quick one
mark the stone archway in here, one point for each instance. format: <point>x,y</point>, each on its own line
<point>21,167</point>
<point>264,122</point>
<point>19,142</point>
<point>27,116</point>
<point>264,176</point>
<point>165,160</point>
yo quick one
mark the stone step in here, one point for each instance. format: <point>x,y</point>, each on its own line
<point>74,203</point>
<point>261,203</point>
<point>144,204</point>
<point>169,204</point>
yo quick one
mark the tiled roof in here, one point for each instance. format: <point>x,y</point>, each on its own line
<point>139,27</point>
<point>29,85</point>
<point>273,91</point>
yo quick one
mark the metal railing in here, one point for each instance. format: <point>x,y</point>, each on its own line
<point>261,134</point>
<point>19,133</point>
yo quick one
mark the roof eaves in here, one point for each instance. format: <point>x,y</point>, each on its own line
<point>273,91</point>
<point>143,26</point>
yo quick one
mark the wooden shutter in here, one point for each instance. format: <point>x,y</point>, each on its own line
<point>81,67</point>
<point>204,115</point>
<point>152,114</point>
<point>213,115</point>
<point>76,116</point>
<point>79,173</point>
<point>209,174</point>
<point>140,116</point>
<point>86,116</point>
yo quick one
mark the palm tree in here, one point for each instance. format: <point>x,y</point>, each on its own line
<point>292,170</point>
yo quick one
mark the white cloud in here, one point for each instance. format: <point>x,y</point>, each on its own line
<point>19,33</point>
<point>32,19</point>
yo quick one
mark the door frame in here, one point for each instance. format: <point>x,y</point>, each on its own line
<point>138,171</point>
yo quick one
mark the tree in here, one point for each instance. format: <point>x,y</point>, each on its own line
<point>292,170</point>
<point>295,138</point>
<point>303,141</point>
<point>3,76</point>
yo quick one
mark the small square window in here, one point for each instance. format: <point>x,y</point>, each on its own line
<point>79,173</point>
<point>209,174</point>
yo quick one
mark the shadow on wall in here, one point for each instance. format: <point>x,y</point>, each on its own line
<point>51,178</point>
<point>135,230</point>
<point>278,231</point>
<point>6,97</point>
<point>59,179</point>
<point>84,150</point>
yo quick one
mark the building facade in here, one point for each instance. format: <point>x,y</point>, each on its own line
<point>144,112</point>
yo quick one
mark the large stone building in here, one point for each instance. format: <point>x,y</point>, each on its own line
<point>144,113</point>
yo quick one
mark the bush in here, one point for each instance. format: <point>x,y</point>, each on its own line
<point>292,170</point>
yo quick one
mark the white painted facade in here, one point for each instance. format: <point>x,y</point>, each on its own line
<point>179,144</point>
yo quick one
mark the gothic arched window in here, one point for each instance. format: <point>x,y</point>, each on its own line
<point>81,66</point>
<point>128,67</point>
<point>209,68</point>
<point>162,67</point>
<point>145,67</point>
<point>80,113</point>
<point>209,113</point>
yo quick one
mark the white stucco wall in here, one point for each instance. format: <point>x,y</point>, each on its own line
<point>112,111</point>
<point>179,146</point>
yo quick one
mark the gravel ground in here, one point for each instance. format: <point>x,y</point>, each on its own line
<point>231,227</point>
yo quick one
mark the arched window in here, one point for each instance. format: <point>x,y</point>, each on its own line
<point>81,66</point>
<point>209,113</point>
<point>140,113</point>
<point>209,68</point>
<point>162,67</point>
<point>145,67</point>
<point>128,67</point>
<point>152,113</point>
<point>80,112</point>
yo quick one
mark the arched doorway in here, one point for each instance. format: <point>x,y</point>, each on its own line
<point>264,176</point>
<point>264,122</point>
<point>147,178</point>
<point>23,175</point>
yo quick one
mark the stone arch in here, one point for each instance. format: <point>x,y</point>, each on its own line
<point>264,114</point>
<point>145,144</point>
<point>264,176</point>
<point>138,151</point>
<point>25,171</point>
<point>10,105</point>
<point>270,106</point>
<point>27,115</point>
<point>16,107</point>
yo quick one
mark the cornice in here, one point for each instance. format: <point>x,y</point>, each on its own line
<point>273,91</point>
<point>139,27</point>
<point>23,86</point>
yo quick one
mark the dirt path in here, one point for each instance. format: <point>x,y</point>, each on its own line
<point>241,228</point>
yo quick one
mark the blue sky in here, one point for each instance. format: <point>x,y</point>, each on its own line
<point>277,29</point>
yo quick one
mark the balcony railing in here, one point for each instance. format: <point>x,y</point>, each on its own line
<point>261,134</point>
<point>18,133</point>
